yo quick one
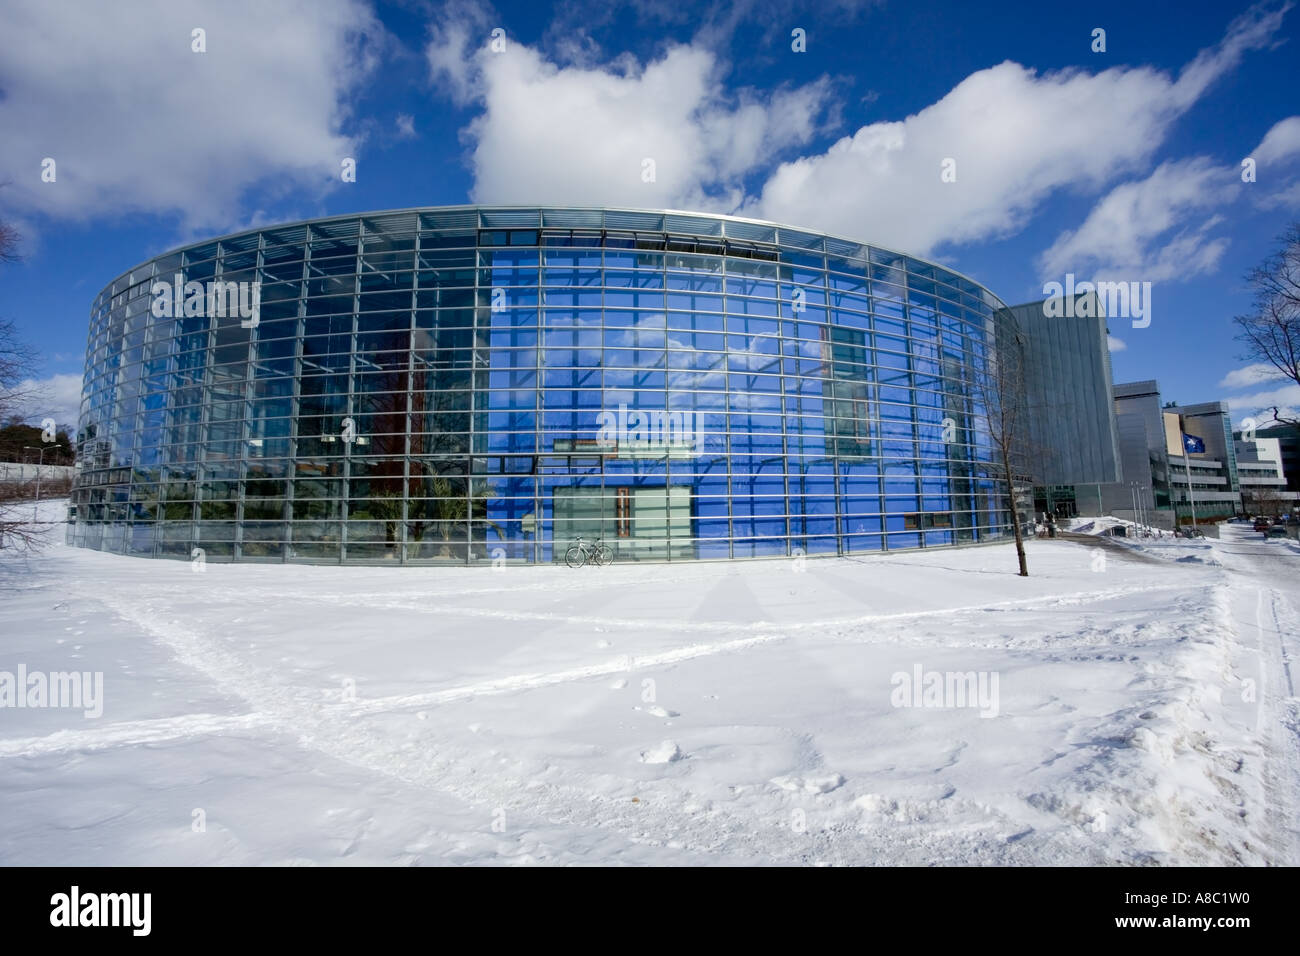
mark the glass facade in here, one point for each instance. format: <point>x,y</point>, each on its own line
<point>483,385</point>
<point>1071,434</point>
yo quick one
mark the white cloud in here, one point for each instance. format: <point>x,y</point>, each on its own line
<point>1281,142</point>
<point>584,135</point>
<point>1277,153</point>
<point>1016,137</point>
<point>57,397</point>
<point>570,129</point>
<point>1249,375</point>
<point>1162,226</point>
<point>579,133</point>
<point>455,39</point>
<point>1285,397</point>
<point>405,126</point>
<point>1119,237</point>
<point>137,121</point>
<point>1288,198</point>
<point>1114,344</point>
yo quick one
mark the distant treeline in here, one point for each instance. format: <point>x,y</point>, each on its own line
<point>17,440</point>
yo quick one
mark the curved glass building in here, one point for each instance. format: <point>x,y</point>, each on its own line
<point>484,385</point>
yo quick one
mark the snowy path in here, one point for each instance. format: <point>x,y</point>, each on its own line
<point>1266,612</point>
<point>381,715</point>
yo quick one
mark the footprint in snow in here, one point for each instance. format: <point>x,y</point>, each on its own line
<point>810,784</point>
<point>656,711</point>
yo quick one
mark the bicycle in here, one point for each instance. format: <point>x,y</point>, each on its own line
<point>582,551</point>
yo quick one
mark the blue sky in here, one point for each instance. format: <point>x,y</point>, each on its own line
<point>1123,164</point>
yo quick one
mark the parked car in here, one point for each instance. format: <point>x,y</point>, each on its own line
<point>1276,531</point>
<point>1262,524</point>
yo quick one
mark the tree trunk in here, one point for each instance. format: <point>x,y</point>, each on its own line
<point>1015,513</point>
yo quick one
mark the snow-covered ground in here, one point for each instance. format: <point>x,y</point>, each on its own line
<point>1138,707</point>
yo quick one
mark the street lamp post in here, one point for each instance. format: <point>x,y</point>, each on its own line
<point>40,463</point>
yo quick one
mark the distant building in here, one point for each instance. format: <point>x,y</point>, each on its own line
<point>1263,476</point>
<point>1143,453</point>
<point>1161,483</point>
<point>1288,440</point>
<point>1071,445</point>
<point>1215,490</point>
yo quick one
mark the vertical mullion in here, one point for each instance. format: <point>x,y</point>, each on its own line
<point>408,416</point>
<point>295,401</point>
<point>350,409</point>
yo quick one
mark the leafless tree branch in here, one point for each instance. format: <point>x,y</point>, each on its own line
<point>1271,330</point>
<point>997,386</point>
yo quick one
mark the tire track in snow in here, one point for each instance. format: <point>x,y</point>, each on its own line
<point>333,731</point>
<point>505,685</point>
<point>724,627</point>
<point>1282,733</point>
<point>420,604</point>
<point>751,833</point>
<point>152,731</point>
<point>756,831</point>
<point>131,733</point>
<point>1261,618</point>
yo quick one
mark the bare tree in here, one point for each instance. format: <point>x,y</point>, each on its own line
<point>9,239</point>
<point>18,363</point>
<point>1266,500</point>
<point>1271,330</point>
<point>17,358</point>
<point>997,385</point>
<point>8,243</point>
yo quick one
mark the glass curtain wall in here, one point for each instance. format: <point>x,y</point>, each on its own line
<point>486,385</point>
